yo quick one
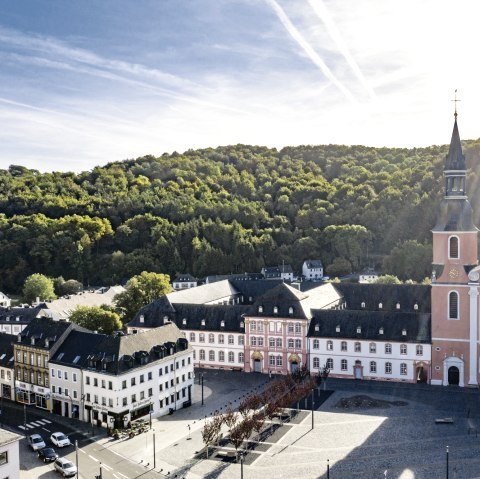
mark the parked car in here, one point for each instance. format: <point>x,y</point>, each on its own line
<point>59,439</point>
<point>36,442</point>
<point>65,467</point>
<point>47,454</point>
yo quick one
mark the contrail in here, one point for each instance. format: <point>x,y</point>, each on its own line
<point>322,13</point>
<point>312,54</point>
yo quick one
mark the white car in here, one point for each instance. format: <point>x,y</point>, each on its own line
<point>36,442</point>
<point>59,439</point>
<point>65,467</point>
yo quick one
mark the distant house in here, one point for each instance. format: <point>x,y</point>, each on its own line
<point>7,377</point>
<point>312,269</point>
<point>368,276</point>
<point>184,281</point>
<point>236,277</point>
<point>15,320</point>
<point>9,454</point>
<point>5,301</point>
<point>283,272</point>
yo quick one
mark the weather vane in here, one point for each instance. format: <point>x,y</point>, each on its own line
<point>456,100</point>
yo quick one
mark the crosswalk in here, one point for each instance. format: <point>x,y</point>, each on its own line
<point>34,424</point>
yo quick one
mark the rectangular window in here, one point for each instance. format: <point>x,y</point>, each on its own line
<point>95,382</point>
<point>160,371</point>
<point>150,376</point>
<point>419,350</point>
<point>59,374</point>
<point>110,402</point>
<point>150,392</point>
<point>142,378</point>
<point>88,397</point>
<point>95,399</point>
<point>134,398</point>
<point>124,384</point>
<point>74,377</point>
<point>104,401</point>
<point>124,401</point>
<point>87,380</point>
<point>3,457</point>
<point>53,373</point>
<point>132,382</point>
<point>142,395</point>
<point>241,340</point>
<point>66,376</point>
<point>110,385</point>
<point>103,383</point>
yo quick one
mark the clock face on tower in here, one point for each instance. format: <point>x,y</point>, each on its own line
<point>453,273</point>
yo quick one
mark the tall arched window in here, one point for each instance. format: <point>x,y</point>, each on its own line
<point>453,305</point>
<point>453,249</point>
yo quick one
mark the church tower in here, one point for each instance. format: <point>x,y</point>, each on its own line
<point>455,278</point>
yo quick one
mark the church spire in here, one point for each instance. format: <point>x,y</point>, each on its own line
<point>455,160</point>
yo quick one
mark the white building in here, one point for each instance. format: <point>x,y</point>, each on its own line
<point>5,301</point>
<point>7,376</point>
<point>184,281</point>
<point>368,276</point>
<point>312,269</point>
<point>9,454</point>
<point>116,379</point>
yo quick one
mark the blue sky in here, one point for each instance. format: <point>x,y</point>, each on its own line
<point>87,82</point>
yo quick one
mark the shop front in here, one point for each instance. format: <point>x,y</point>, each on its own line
<point>24,393</point>
<point>42,397</point>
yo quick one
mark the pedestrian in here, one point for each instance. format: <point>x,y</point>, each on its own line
<point>269,374</point>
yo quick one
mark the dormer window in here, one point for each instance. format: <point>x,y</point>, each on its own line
<point>290,310</point>
<point>415,307</point>
<point>380,305</point>
<point>404,332</point>
<point>398,306</point>
<point>203,322</point>
<point>165,319</point>
<point>317,327</point>
<point>275,310</point>
<point>19,338</point>
<point>359,329</point>
<point>142,318</point>
<point>32,340</point>
<point>184,321</point>
<point>241,324</point>
<point>222,323</point>
<point>260,309</point>
<point>380,331</point>
<point>337,328</point>
<point>363,304</point>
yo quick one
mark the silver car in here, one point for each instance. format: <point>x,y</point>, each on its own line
<point>36,442</point>
<point>65,467</point>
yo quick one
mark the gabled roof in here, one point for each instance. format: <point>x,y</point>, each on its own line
<point>206,293</point>
<point>274,271</point>
<point>416,326</point>
<point>45,332</point>
<point>117,354</point>
<point>313,263</point>
<point>388,295</point>
<point>213,315</point>
<point>24,315</point>
<point>234,277</point>
<point>184,278</point>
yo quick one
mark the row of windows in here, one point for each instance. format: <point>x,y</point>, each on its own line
<point>372,347</point>
<point>275,310</point>
<point>373,366</point>
<point>276,361</point>
<point>171,400</point>
<point>32,359</point>
<point>221,356</point>
<point>64,374</point>
<point>292,328</point>
<point>172,383</point>
<point>26,375</point>
<point>65,392</point>
<point>221,338</point>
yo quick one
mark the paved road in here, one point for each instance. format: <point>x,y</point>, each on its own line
<point>398,437</point>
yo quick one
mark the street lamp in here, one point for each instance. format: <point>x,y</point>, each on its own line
<point>241,464</point>
<point>447,463</point>
<point>150,412</point>
<point>328,468</point>
<point>313,393</point>
<point>154,457</point>
<point>25,418</point>
<point>76,455</point>
<point>203,404</point>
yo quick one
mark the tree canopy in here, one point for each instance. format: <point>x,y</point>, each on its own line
<point>38,286</point>
<point>96,318</point>
<point>225,210</point>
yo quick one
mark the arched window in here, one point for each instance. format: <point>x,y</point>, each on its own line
<point>388,368</point>
<point>403,349</point>
<point>329,364</point>
<point>290,310</point>
<point>202,354</point>
<point>316,344</point>
<point>358,347</point>
<point>211,338</point>
<point>221,338</point>
<point>373,347</point>
<point>343,346</point>
<point>344,365</point>
<point>231,357</point>
<point>388,348</point>
<point>403,369</point>
<point>419,350</point>
<point>230,339</point>
<point>211,355</point>
<point>329,345</point>
<point>240,357</point>
<point>192,337</point>
<point>221,356</point>
<point>373,367</point>
<point>453,305</point>
<point>453,249</point>
<point>201,337</point>
<point>316,363</point>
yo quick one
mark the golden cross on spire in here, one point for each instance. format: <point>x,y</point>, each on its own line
<point>456,100</point>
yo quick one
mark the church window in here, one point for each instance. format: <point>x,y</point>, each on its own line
<point>453,247</point>
<point>453,305</point>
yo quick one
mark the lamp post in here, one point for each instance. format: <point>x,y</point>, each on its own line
<point>150,412</point>
<point>328,468</point>
<point>241,464</point>
<point>76,455</point>
<point>313,394</point>
<point>25,417</point>
<point>447,462</point>
<point>203,404</point>
<point>154,456</point>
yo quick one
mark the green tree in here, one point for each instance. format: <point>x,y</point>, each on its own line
<point>387,279</point>
<point>140,291</point>
<point>96,318</point>
<point>38,286</point>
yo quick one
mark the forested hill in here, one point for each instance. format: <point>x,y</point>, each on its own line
<point>229,209</point>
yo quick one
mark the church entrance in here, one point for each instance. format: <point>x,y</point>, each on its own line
<point>453,376</point>
<point>294,367</point>
<point>257,366</point>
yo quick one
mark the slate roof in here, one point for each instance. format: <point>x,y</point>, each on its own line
<point>407,295</point>
<point>43,329</point>
<point>417,325</point>
<point>213,315</point>
<point>206,293</point>
<point>117,354</point>
<point>184,278</point>
<point>254,288</point>
<point>313,263</point>
<point>24,315</point>
<point>234,277</point>
<point>276,271</point>
<point>6,349</point>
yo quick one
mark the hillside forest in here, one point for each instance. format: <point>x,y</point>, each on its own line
<point>230,209</point>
